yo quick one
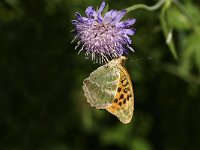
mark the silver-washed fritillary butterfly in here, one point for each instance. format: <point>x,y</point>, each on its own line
<point>109,87</point>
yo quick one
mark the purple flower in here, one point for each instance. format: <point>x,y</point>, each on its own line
<point>103,37</point>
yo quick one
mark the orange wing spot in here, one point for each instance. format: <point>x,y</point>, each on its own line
<point>113,107</point>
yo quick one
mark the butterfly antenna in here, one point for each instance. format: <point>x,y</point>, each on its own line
<point>138,59</point>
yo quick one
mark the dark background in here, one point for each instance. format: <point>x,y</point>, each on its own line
<point>41,98</point>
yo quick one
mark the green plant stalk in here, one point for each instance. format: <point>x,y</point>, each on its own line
<point>166,29</point>
<point>142,6</point>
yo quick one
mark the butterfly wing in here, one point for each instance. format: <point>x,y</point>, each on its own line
<point>123,103</point>
<point>100,87</point>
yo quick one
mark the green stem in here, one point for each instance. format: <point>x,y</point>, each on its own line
<point>150,8</point>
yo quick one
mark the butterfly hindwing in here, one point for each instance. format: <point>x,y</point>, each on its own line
<point>101,86</point>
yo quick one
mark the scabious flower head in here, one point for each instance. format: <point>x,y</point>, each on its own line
<point>103,37</point>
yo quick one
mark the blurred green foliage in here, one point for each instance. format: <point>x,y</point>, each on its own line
<point>41,99</point>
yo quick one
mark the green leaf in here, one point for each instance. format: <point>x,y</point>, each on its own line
<point>167,29</point>
<point>193,12</point>
<point>177,19</point>
<point>191,53</point>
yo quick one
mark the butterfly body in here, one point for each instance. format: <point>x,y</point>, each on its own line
<point>109,87</point>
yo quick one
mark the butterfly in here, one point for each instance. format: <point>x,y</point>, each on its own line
<point>109,87</point>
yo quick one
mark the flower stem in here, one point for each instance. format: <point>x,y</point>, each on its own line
<point>150,8</point>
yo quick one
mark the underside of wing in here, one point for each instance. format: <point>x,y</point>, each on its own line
<point>101,86</point>
<point>123,103</point>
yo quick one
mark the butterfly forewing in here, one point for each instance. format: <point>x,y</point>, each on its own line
<point>123,103</point>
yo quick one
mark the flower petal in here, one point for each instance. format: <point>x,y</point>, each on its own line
<point>120,15</point>
<point>108,16</point>
<point>129,31</point>
<point>114,14</point>
<point>127,23</point>
<point>99,19</point>
<point>78,16</point>
<point>130,22</point>
<point>89,11</point>
<point>127,39</point>
<point>103,4</point>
